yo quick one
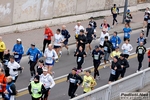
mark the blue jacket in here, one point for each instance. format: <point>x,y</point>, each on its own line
<point>115,40</point>
<point>35,54</point>
<point>18,48</point>
<point>126,32</point>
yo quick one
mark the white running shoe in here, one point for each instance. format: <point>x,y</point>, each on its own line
<point>53,73</point>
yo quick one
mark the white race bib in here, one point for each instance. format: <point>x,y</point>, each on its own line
<point>31,58</point>
<point>106,48</point>
<point>86,85</point>
<point>96,57</point>
<point>46,37</point>
<point>6,62</point>
<point>50,60</point>
<point>126,34</point>
<point>13,77</point>
<point>16,56</point>
<point>125,51</point>
<point>79,59</point>
<point>140,51</point>
<point>113,72</point>
<point>113,44</point>
<point>35,90</point>
<point>72,80</point>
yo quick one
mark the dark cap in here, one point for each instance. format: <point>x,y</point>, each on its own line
<point>33,44</point>
<point>75,69</point>
<point>41,61</point>
<point>116,57</point>
<point>91,17</point>
<point>122,55</point>
<point>96,47</point>
<point>89,71</point>
<point>37,77</point>
<point>114,4</point>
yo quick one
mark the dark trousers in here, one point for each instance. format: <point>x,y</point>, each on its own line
<point>16,77</point>
<point>149,64</point>
<point>148,27</point>
<point>114,18</point>
<point>72,90</point>
<point>45,42</point>
<point>1,56</point>
<point>140,59</point>
<point>35,98</point>
<point>32,67</point>
<point>96,72</point>
<point>123,72</point>
<point>79,64</point>
<point>6,70</point>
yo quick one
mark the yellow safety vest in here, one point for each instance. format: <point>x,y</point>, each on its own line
<point>35,88</point>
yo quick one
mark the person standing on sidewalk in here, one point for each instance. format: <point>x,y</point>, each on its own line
<point>80,58</point>
<point>115,12</point>
<point>5,61</point>
<point>2,83</point>
<point>148,25</point>
<point>47,37</point>
<point>34,54</point>
<point>36,88</point>
<point>48,83</point>
<point>50,57</point>
<point>10,91</point>
<point>75,80</point>
<point>127,48</point>
<point>115,40</point>
<point>2,48</point>
<point>94,25</point>
<point>127,31</point>
<point>140,50</point>
<point>66,36</point>
<point>141,39</point>
<point>96,54</point>
<point>89,38</point>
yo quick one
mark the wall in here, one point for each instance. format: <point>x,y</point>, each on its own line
<point>21,11</point>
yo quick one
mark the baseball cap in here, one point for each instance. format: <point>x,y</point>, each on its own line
<point>122,55</point>
<point>19,39</point>
<point>32,44</point>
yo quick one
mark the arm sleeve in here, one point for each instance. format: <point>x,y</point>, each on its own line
<point>4,82</point>
<point>81,80</point>
<point>28,52</point>
<point>136,49</point>
<point>40,54</point>
<point>13,89</point>
<point>13,50</point>
<point>29,88</point>
<point>52,82</point>
<point>119,40</point>
<point>68,77</point>
<point>127,64</point>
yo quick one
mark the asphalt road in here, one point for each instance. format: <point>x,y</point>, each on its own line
<point>59,92</point>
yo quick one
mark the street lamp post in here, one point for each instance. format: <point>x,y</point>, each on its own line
<point>125,9</point>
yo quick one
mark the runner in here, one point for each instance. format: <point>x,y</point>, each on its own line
<point>141,39</point>
<point>14,67</point>
<point>114,11</point>
<point>36,88</point>
<point>147,11</point>
<point>75,80</point>
<point>50,56</point>
<point>48,83</point>
<point>127,48</point>
<point>89,37</point>
<point>88,82</point>
<point>124,64</point>
<point>40,67</point>
<point>2,49</point>
<point>80,58</point>
<point>34,54</point>
<point>96,54</point>
<point>10,91</point>
<point>48,34</point>
<point>81,40</point>
<point>140,50</point>
<point>105,25</point>
<point>148,25</point>
<point>58,39</point>
<point>102,38</point>
<point>148,54</point>
<point>127,31</point>
<point>107,50</point>
<point>5,61</point>
<point>94,25</point>
<point>115,68</point>
<point>115,53</point>
<point>2,83</point>
<point>66,37</point>
<point>115,40</point>
<point>128,17</point>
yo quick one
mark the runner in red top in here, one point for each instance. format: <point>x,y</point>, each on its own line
<point>148,57</point>
<point>47,37</point>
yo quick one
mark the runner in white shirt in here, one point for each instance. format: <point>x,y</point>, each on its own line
<point>58,40</point>
<point>47,81</point>
<point>102,37</point>
<point>50,56</point>
<point>14,67</point>
<point>127,48</point>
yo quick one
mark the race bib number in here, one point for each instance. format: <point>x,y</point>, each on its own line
<point>31,58</point>
<point>16,56</point>
<point>6,62</point>
<point>13,77</point>
<point>35,90</point>
<point>125,51</point>
<point>72,80</point>
<point>45,36</point>
<point>113,72</point>
<point>106,48</point>
<point>126,34</point>
<point>113,44</point>
<point>86,84</point>
<point>96,57</point>
<point>79,59</point>
<point>102,39</point>
<point>49,59</point>
<point>140,51</point>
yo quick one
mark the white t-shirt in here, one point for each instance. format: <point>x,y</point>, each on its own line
<point>12,66</point>
<point>57,39</point>
<point>78,28</point>
<point>47,81</point>
<point>102,38</point>
<point>126,48</point>
<point>49,54</point>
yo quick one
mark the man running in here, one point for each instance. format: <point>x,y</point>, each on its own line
<point>81,40</point>
<point>34,54</point>
<point>140,50</point>
<point>115,12</point>
<point>94,25</point>
<point>66,36</point>
<point>141,39</point>
<point>148,25</point>
<point>75,80</point>
<point>105,25</point>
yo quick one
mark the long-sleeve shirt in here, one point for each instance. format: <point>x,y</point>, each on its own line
<point>127,48</point>
<point>3,81</point>
<point>47,81</point>
<point>12,89</point>
<point>48,34</point>
<point>102,38</point>
<point>74,79</point>
<point>97,55</point>
<point>2,46</point>
<point>115,40</point>
<point>148,54</point>
<point>18,48</point>
<point>124,63</point>
<point>140,50</point>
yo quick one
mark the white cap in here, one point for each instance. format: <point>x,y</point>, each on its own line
<point>19,39</point>
<point>45,69</point>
